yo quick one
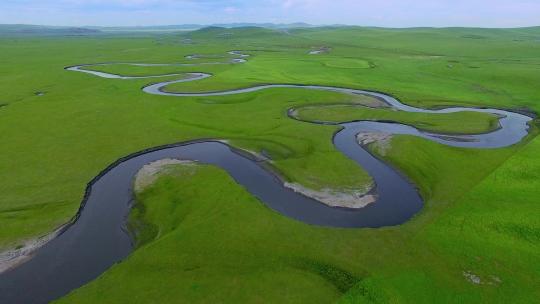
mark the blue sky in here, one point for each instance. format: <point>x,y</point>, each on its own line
<point>389,13</point>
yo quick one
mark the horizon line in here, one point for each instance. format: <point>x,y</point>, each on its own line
<point>261,24</point>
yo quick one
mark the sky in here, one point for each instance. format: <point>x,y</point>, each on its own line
<point>385,13</point>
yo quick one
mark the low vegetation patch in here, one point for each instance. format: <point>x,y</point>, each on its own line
<point>348,63</point>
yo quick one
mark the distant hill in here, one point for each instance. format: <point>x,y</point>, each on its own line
<point>469,33</point>
<point>247,29</point>
<point>265,25</point>
<point>157,28</point>
<point>213,32</point>
<point>188,27</point>
<point>23,29</point>
<point>535,30</point>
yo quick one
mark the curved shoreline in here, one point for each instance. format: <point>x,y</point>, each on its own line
<point>91,250</point>
<point>291,114</point>
<point>506,118</point>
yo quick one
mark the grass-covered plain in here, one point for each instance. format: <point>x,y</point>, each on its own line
<point>480,217</point>
<point>460,122</point>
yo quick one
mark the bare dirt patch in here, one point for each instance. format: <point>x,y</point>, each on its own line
<point>19,255</point>
<point>381,141</point>
<point>320,50</point>
<point>477,280</point>
<point>149,173</point>
<point>353,199</point>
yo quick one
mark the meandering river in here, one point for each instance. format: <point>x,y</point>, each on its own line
<point>97,238</point>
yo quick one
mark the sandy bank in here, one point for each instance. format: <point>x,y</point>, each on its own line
<point>14,257</point>
<point>380,139</point>
<point>353,199</point>
<point>149,173</point>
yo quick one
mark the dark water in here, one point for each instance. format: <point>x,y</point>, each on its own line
<point>98,239</point>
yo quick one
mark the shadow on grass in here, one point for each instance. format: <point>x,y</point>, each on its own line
<point>342,279</point>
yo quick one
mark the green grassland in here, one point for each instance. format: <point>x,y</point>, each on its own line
<point>461,122</point>
<point>131,70</point>
<point>480,215</point>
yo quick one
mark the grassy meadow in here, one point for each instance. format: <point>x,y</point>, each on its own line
<point>204,239</point>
